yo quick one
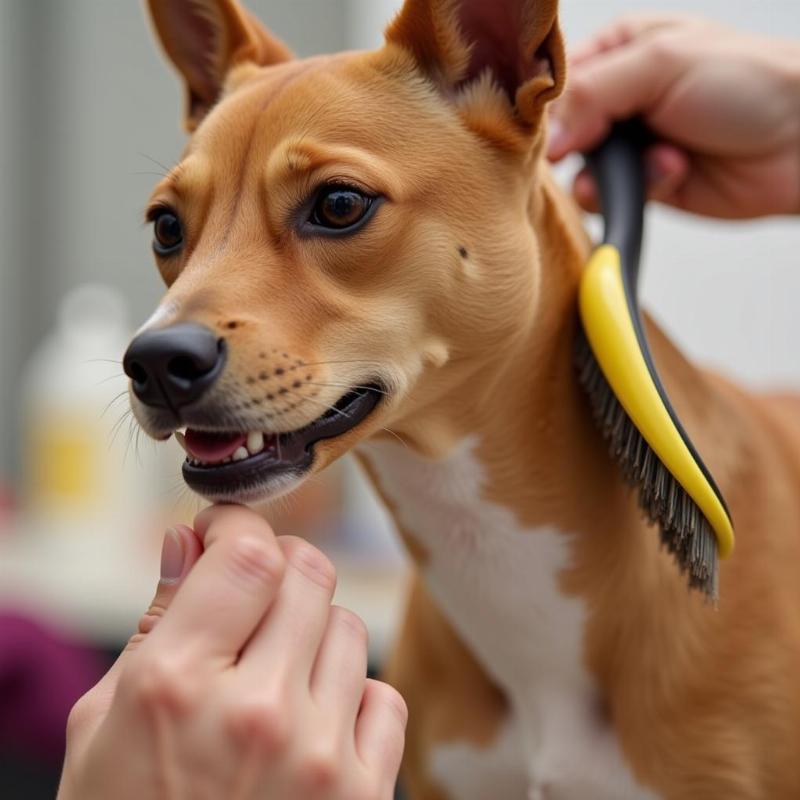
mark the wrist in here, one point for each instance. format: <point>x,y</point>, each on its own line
<point>795,82</point>
<point>787,61</point>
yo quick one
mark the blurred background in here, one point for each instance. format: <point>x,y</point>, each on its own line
<point>89,117</point>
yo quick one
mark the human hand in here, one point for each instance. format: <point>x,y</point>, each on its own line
<point>243,682</point>
<point>724,105</point>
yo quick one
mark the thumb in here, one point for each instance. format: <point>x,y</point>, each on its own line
<point>179,553</point>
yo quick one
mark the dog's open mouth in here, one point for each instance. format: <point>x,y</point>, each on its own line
<point>240,465</point>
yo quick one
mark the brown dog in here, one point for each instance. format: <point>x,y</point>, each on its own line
<point>371,241</point>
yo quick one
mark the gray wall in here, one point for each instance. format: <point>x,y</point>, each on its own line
<point>13,202</point>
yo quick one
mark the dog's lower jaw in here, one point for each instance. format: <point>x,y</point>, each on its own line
<point>261,494</point>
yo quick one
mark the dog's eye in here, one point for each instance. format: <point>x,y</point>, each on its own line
<point>167,233</point>
<point>340,207</point>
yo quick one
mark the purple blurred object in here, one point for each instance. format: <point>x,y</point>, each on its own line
<point>42,674</point>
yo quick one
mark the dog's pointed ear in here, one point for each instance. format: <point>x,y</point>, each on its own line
<point>204,39</point>
<point>518,42</point>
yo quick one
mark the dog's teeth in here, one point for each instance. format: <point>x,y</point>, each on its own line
<point>241,454</point>
<point>255,442</point>
<point>181,440</point>
<point>227,460</point>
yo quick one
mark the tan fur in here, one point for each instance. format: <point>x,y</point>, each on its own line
<point>706,704</point>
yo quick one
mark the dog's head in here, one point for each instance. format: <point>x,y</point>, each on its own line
<point>345,238</point>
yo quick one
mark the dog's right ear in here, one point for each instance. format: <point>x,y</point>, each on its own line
<point>513,45</point>
<point>204,39</point>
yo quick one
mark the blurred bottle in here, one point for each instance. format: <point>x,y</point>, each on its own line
<point>78,450</point>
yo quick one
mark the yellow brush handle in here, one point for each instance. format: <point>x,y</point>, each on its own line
<point>612,337</point>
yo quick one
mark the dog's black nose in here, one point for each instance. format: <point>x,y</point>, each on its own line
<point>175,366</point>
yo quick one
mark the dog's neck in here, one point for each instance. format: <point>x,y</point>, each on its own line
<point>543,456</point>
<point>523,402</point>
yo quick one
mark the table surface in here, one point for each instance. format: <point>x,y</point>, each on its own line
<point>96,588</point>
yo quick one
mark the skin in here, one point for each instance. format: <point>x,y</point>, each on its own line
<point>723,104</point>
<point>243,681</point>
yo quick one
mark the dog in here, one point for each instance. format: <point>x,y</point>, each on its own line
<point>366,247</point>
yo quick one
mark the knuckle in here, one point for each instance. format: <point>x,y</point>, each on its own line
<point>313,563</point>
<point>580,93</point>
<point>664,47</point>
<point>260,722</point>
<point>150,618</point>
<point>160,681</point>
<point>80,716</point>
<point>135,641</point>
<point>321,769</point>
<point>256,560</point>
<point>350,622</point>
<point>628,27</point>
<point>390,698</point>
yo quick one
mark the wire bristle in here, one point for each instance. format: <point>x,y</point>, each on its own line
<point>685,531</point>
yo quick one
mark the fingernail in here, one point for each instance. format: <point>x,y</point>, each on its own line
<point>172,557</point>
<point>557,138</point>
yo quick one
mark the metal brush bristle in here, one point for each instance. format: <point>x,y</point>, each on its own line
<point>685,531</point>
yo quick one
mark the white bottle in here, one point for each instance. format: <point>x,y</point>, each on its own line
<point>79,450</point>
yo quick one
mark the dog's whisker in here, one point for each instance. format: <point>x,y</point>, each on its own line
<point>322,405</point>
<point>136,448</point>
<point>117,426</point>
<point>155,161</point>
<point>347,386</point>
<point>114,377</point>
<point>397,436</point>
<point>131,432</point>
<point>113,400</point>
<point>325,406</point>
<point>344,361</point>
<point>149,172</point>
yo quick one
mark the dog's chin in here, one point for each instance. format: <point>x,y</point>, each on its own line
<point>259,493</point>
<point>278,463</point>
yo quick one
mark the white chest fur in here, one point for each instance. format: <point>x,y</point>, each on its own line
<point>497,582</point>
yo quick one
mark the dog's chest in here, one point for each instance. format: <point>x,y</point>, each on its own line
<point>497,582</point>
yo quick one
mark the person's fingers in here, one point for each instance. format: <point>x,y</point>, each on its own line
<point>340,671</point>
<point>666,170</point>
<point>584,190</point>
<point>227,593</point>
<point>289,637</point>
<point>179,553</point>
<point>617,85</point>
<point>380,729</point>
<point>620,32</point>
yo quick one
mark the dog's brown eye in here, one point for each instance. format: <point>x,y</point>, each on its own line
<point>167,232</point>
<point>340,207</point>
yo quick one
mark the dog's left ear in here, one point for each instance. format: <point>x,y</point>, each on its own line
<point>518,42</point>
<point>204,39</point>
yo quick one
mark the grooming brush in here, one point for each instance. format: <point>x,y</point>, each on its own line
<point>630,405</point>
